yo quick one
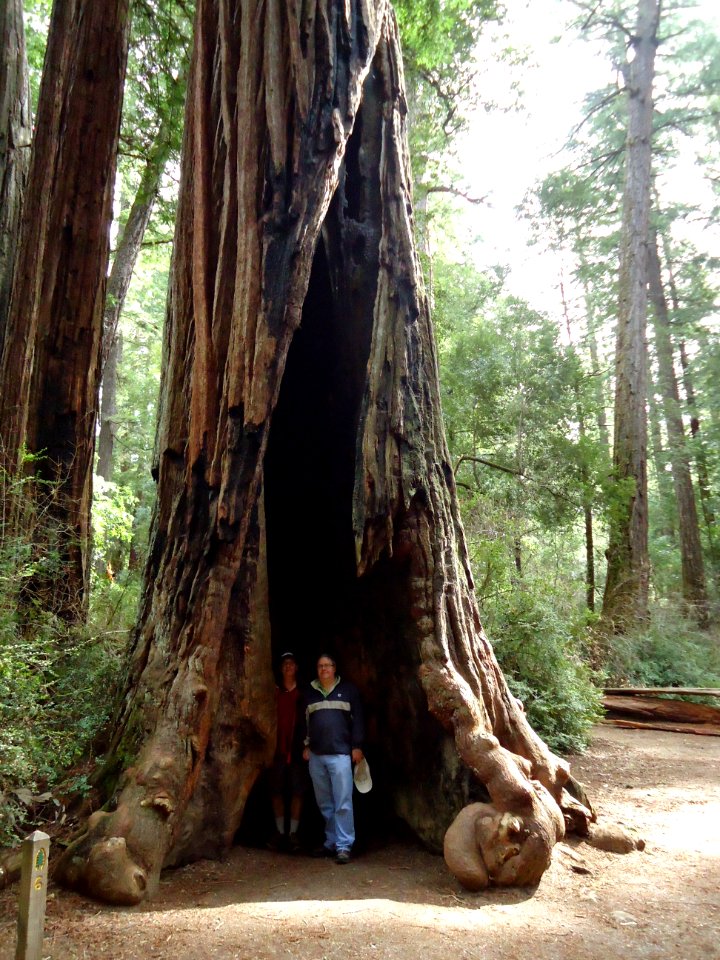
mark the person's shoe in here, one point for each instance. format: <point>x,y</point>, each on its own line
<point>342,856</point>
<point>322,851</point>
<point>293,843</point>
<point>276,842</point>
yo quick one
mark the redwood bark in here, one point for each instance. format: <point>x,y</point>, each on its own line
<point>625,602</point>
<point>693,570</point>
<point>304,484</point>
<point>51,357</point>
<point>15,139</point>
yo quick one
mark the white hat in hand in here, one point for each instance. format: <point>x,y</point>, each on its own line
<point>363,780</point>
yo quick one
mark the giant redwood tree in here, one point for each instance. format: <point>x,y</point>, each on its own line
<point>625,602</point>
<point>51,357</point>
<point>305,493</point>
<point>15,137</point>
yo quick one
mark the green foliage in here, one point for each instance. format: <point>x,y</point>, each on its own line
<point>510,396</point>
<point>56,681</point>
<point>671,652</point>
<point>542,661</point>
<point>36,17</point>
<point>153,105</point>
<point>113,514</point>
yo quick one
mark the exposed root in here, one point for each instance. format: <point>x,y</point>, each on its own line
<point>484,847</point>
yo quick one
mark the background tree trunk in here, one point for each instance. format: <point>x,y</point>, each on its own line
<point>15,139</point>
<point>123,265</point>
<point>305,489</point>
<point>693,571</point>
<point>51,359</point>
<point>108,408</point>
<point>666,518</point>
<point>625,602</point>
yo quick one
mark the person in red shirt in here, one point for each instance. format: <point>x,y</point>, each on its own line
<point>288,777</point>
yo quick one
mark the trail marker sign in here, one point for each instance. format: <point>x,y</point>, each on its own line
<point>33,893</point>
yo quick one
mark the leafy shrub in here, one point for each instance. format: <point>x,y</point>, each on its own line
<point>56,680</point>
<point>671,652</point>
<point>542,662</point>
<point>54,686</point>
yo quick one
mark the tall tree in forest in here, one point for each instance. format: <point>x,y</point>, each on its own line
<point>693,570</point>
<point>15,138</point>
<point>300,452</point>
<point>152,128</point>
<point>625,602</point>
<point>51,356</point>
<point>699,295</point>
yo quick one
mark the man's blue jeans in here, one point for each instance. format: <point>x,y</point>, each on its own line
<point>332,779</point>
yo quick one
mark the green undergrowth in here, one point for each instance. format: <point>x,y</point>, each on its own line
<point>537,646</point>
<point>56,688</point>
<point>57,680</point>
<point>671,652</point>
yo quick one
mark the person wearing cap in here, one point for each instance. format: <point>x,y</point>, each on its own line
<point>334,733</point>
<point>287,774</point>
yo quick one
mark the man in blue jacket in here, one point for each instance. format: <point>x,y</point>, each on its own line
<point>333,742</point>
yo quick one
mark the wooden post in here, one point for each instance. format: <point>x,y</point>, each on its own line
<point>33,891</point>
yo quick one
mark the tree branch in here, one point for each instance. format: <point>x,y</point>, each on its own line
<point>520,476</point>
<point>455,192</point>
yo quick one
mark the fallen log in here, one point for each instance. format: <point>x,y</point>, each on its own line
<point>703,730</point>
<point>655,708</point>
<point>676,691</point>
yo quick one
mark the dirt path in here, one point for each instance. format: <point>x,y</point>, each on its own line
<point>400,902</point>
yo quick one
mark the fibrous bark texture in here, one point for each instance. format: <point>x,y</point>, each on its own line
<point>305,494</point>
<point>625,602</point>
<point>51,356</point>
<point>15,139</point>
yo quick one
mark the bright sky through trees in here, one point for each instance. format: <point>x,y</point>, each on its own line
<point>506,151</point>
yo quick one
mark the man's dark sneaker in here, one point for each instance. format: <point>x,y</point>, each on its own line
<point>342,856</point>
<point>322,851</point>
<point>293,843</point>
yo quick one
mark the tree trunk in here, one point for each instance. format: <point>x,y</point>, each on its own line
<point>665,520</point>
<point>693,571</point>
<point>596,366</point>
<point>15,139</point>
<point>108,408</point>
<point>304,484</point>
<point>584,472</point>
<point>701,463</point>
<point>703,475</point>
<point>133,232</point>
<point>123,266</point>
<point>51,360</point>
<point>625,603</point>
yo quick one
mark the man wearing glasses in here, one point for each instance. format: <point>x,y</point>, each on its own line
<point>333,742</point>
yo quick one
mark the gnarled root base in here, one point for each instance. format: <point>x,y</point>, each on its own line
<point>103,869</point>
<point>103,862</point>
<point>485,847</point>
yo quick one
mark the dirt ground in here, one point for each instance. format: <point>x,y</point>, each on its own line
<point>400,902</point>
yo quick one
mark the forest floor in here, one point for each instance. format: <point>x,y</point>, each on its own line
<point>400,902</point>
